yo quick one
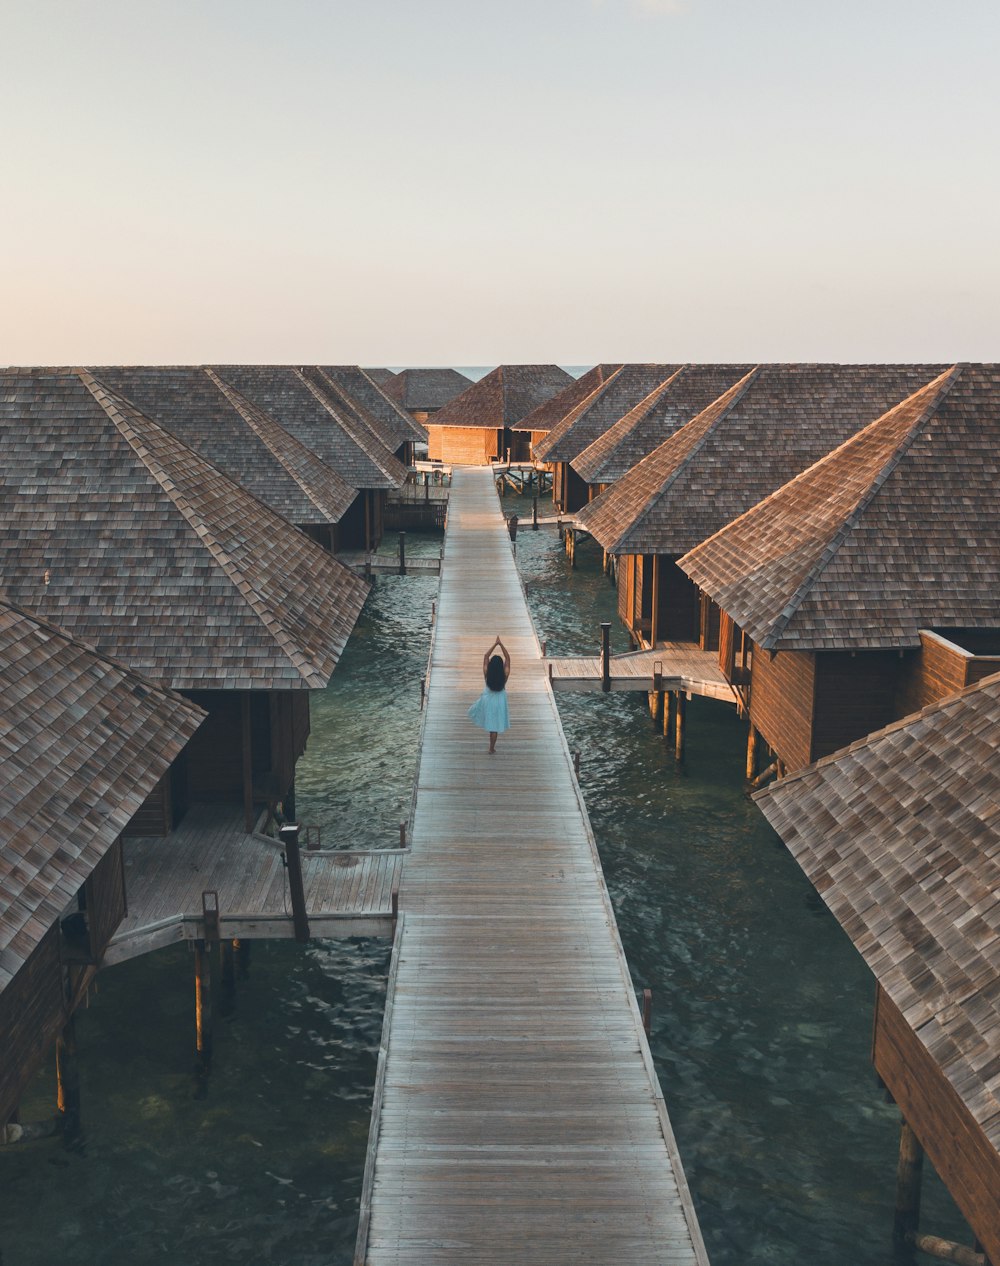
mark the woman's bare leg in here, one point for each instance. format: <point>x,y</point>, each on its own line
<point>493,741</point>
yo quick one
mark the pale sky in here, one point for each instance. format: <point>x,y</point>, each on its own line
<point>455,182</point>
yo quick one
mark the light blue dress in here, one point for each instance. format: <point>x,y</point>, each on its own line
<point>490,711</point>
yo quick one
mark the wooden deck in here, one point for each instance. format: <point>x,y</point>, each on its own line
<point>683,665</point>
<point>517,1113</point>
<point>371,564</point>
<point>347,894</point>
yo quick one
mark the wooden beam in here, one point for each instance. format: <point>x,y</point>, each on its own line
<point>247,762</point>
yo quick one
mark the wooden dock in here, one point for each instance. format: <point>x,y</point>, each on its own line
<point>682,666</point>
<point>347,894</point>
<point>517,1113</point>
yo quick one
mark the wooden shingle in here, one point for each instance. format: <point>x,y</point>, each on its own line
<point>900,834</point>
<point>620,392</point>
<point>295,402</point>
<point>356,389</point>
<point>894,531</point>
<point>243,441</point>
<point>426,390</point>
<point>136,544</point>
<point>504,397</point>
<point>762,432</point>
<point>83,741</point>
<point>550,414</point>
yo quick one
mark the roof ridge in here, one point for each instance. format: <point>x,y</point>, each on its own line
<point>946,381</point>
<point>566,424</point>
<point>249,413</point>
<point>736,393</point>
<point>349,427</point>
<point>113,407</point>
<point>625,424</point>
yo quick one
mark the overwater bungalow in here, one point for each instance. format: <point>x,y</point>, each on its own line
<point>246,443</point>
<point>351,388</point>
<point>344,443</point>
<point>85,741</point>
<point>137,545</point>
<point>869,585</point>
<point>477,427</point>
<point>423,392</point>
<point>655,418</point>
<point>552,412</point>
<point>620,392</point>
<point>900,835</point>
<point>767,427</point>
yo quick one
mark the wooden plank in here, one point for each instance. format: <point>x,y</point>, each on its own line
<point>518,1114</point>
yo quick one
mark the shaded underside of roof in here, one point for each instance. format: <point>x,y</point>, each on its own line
<point>504,397</point>
<point>295,403</point>
<point>548,415</point>
<point>113,529</point>
<point>83,741</point>
<point>709,473</point>
<point>620,392</point>
<point>895,531</point>
<point>246,444</point>
<point>379,410</point>
<point>665,410</point>
<point>425,390</point>
<point>900,834</point>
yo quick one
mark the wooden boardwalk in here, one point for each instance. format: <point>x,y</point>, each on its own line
<point>347,894</point>
<point>683,666</point>
<point>517,1113</point>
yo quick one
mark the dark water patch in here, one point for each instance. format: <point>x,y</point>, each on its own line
<point>264,1164</point>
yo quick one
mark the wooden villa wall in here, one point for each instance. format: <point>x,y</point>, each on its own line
<point>32,1011</point>
<point>462,445</point>
<point>709,624</point>
<point>279,728</point>
<point>155,817</point>
<point>575,492</point>
<point>938,669</point>
<point>626,589</point>
<point>105,891</point>
<point>962,1155</point>
<point>349,533</point>
<point>781,703</point>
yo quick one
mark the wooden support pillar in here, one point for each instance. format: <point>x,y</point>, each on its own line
<point>68,1079</point>
<point>203,1003</point>
<point>402,553</point>
<point>908,1181</point>
<point>605,656</point>
<point>289,835</point>
<point>668,712</point>
<point>247,763</point>
<point>242,948</point>
<point>534,513</point>
<point>679,725</point>
<point>947,1250</point>
<point>752,754</point>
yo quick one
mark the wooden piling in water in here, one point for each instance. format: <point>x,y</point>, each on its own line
<point>909,1173</point>
<point>947,1250</point>
<point>227,977</point>
<point>679,725</point>
<point>68,1078</point>
<point>203,1003</point>
<point>289,835</point>
<point>402,553</point>
<point>605,656</point>
<point>752,754</point>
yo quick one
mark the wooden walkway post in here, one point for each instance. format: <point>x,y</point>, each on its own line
<point>289,835</point>
<point>402,553</point>
<point>605,656</point>
<point>679,725</point>
<point>203,1003</point>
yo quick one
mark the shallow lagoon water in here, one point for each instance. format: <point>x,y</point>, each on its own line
<point>761,1007</point>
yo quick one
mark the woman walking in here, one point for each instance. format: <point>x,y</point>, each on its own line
<point>489,711</point>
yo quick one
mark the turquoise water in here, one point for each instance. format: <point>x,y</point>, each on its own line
<point>761,1007</point>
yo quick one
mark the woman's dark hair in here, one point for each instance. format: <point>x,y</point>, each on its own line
<point>496,678</point>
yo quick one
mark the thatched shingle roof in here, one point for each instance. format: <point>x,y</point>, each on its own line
<point>354,387</point>
<point>665,410</point>
<point>754,438</point>
<point>504,397</point>
<point>83,741</point>
<point>894,531</point>
<point>548,415</point>
<point>621,392</point>
<point>134,543</point>
<point>900,835</point>
<point>379,376</point>
<point>244,442</point>
<point>426,390</point>
<point>352,449</point>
